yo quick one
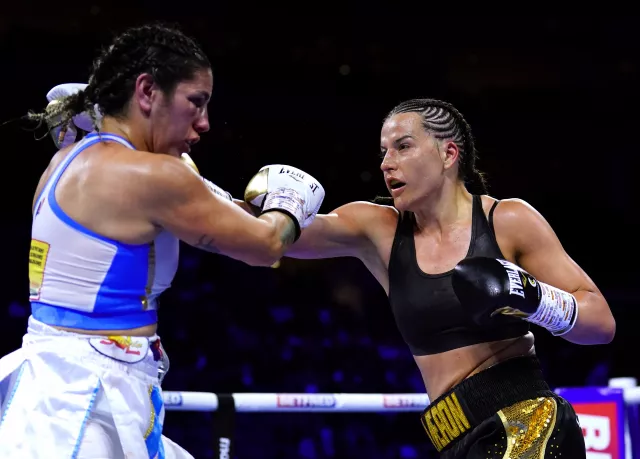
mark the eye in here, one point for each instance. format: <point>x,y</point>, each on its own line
<point>403,146</point>
<point>198,101</point>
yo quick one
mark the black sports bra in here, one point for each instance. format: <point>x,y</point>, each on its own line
<point>427,311</point>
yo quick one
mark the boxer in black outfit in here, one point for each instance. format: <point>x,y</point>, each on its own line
<point>466,275</point>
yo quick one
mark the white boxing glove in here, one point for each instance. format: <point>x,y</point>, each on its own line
<point>65,135</point>
<point>212,186</point>
<point>287,189</point>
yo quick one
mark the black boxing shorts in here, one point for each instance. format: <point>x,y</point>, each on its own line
<point>505,411</point>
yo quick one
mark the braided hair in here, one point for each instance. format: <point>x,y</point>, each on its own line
<point>162,51</point>
<point>443,121</point>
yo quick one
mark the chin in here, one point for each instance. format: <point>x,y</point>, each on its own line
<point>401,204</point>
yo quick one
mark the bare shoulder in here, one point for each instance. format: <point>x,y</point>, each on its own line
<point>151,177</point>
<point>516,214</point>
<point>518,225</point>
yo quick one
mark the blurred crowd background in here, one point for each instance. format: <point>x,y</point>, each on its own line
<point>553,103</point>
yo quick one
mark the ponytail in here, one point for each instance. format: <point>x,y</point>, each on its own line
<point>476,183</point>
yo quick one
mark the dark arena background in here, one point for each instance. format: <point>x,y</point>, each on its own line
<point>553,103</point>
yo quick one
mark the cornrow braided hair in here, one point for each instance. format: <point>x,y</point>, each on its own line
<point>164,52</point>
<point>444,121</point>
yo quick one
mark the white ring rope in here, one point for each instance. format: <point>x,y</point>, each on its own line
<point>353,403</point>
<point>278,403</point>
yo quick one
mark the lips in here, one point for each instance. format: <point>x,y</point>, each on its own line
<point>398,189</point>
<point>395,186</point>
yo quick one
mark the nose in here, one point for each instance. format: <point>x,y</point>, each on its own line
<point>202,123</point>
<point>387,164</point>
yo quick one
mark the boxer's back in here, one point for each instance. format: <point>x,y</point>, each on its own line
<point>82,274</point>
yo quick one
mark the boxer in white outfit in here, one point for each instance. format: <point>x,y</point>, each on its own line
<point>108,215</point>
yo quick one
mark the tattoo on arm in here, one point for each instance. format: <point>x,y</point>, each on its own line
<point>206,243</point>
<point>288,234</point>
<point>287,237</point>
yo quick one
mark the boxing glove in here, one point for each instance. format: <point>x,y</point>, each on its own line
<point>212,186</point>
<point>62,134</point>
<point>490,286</point>
<point>286,189</point>
<point>66,134</point>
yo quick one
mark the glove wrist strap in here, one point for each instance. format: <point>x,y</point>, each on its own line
<point>288,201</point>
<point>557,312</point>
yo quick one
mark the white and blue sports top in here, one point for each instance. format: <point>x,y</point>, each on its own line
<point>80,279</point>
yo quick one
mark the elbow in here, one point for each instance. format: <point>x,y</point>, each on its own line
<point>607,325</point>
<point>262,260</point>
<point>601,332</point>
<point>608,330</point>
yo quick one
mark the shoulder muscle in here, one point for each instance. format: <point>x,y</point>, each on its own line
<point>522,228</point>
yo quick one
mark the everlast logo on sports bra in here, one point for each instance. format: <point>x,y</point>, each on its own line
<point>445,421</point>
<point>515,284</point>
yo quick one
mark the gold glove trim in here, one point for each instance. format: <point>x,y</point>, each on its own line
<point>257,186</point>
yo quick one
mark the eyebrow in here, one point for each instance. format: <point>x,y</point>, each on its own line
<point>399,139</point>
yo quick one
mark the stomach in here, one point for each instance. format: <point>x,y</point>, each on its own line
<point>441,372</point>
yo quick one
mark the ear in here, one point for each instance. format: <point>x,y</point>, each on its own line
<point>450,154</point>
<point>144,92</point>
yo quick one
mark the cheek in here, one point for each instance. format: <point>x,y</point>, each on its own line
<point>188,115</point>
<point>420,167</point>
<point>424,172</point>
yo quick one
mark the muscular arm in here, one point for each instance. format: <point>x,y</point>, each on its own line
<point>341,233</point>
<point>180,202</point>
<point>536,248</point>
<point>243,205</point>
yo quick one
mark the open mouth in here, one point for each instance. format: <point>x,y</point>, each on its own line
<point>396,185</point>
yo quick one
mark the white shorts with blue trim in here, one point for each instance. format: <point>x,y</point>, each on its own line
<point>65,395</point>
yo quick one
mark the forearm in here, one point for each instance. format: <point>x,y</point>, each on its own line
<point>309,246</point>
<point>280,233</point>
<point>595,323</point>
<point>243,205</point>
<point>258,241</point>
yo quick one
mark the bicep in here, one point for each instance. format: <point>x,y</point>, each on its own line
<point>538,250</point>
<point>186,208</point>
<point>209,222</point>
<point>340,233</point>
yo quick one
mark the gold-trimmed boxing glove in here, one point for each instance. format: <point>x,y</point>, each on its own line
<point>287,189</point>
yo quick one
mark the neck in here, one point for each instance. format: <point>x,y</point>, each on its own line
<point>123,129</point>
<point>444,207</point>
